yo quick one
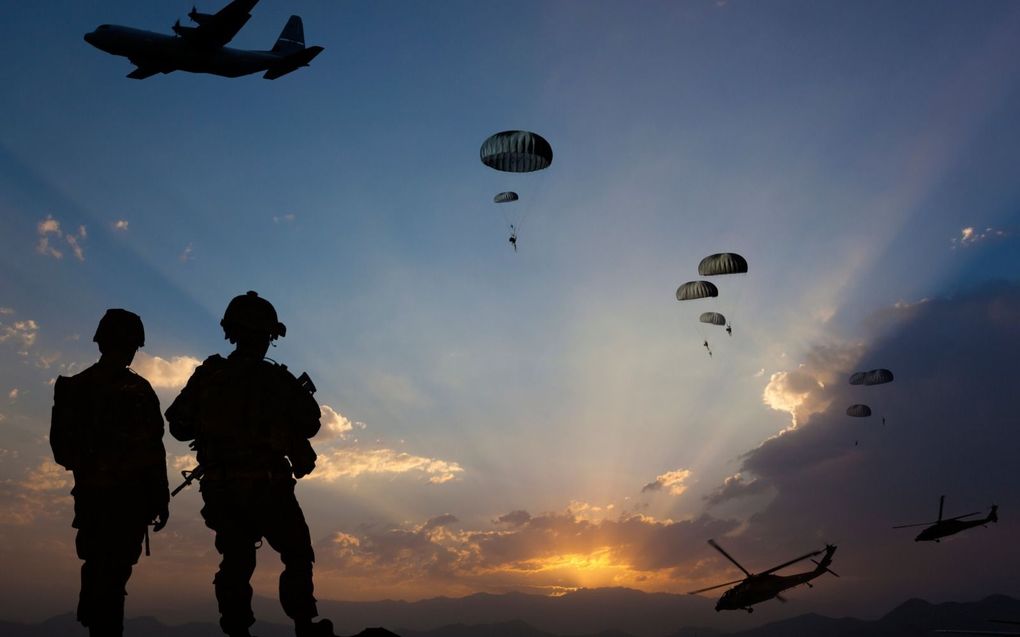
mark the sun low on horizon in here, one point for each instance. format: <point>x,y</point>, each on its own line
<point>513,399</point>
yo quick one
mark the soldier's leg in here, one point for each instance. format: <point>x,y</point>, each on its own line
<point>287,532</point>
<point>109,553</point>
<point>233,580</point>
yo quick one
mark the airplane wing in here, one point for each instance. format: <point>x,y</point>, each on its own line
<point>217,29</point>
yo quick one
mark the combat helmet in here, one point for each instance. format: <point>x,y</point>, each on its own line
<point>120,327</point>
<point>250,312</point>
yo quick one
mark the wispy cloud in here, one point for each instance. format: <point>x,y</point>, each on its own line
<point>185,254</point>
<point>22,333</point>
<point>970,237</point>
<point>672,481</point>
<point>290,217</point>
<point>121,225</point>
<point>354,462</point>
<point>50,232</point>
<point>734,487</point>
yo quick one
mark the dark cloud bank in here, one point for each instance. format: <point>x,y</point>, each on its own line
<point>952,428</point>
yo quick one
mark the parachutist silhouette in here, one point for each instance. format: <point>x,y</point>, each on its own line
<point>513,238</point>
<point>729,330</point>
<point>107,429</point>
<point>883,420</point>
<point>250,420</point>
<point>708,349</point>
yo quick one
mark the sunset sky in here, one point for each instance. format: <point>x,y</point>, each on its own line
<point>548,419</point>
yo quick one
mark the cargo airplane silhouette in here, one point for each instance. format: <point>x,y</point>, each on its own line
<point>202,48</point>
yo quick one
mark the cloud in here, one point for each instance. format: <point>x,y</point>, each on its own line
<point>6,311</point>
<point>286,218</point>
<point>185,254</point>
<point>353,462</point>
<point>970,237</point>
<point>21,333</point>
<point>49,229</point>
<point>804,391</point>
<point>735,487</point>
<point>542,550</point>
<point>121,225</point>
<point>165,374</point>
<point>673,481</point>
<point>13,394</point>
<point>514,518</point>
<point>335,426</point>
<point>42,493</point>
<point>951,430</point>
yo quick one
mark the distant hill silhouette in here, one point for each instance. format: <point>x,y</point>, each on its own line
<point>582,612</point>
<point>914,618</point>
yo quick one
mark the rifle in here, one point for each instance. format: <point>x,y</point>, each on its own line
<point>189,477</point>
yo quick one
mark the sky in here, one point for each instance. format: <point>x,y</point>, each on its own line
<point>548,419</point>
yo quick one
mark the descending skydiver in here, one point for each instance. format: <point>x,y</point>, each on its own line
<point>729,330</point>
<point>513,237</point>
<point>709,349</point>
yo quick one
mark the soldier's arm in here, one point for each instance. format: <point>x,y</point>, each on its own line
<point>182,414</point>
<point>62,425</point>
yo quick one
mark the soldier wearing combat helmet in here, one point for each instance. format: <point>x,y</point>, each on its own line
<point>108,430</point>
<point>250,421</point>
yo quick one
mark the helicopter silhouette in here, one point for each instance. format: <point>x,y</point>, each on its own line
<point>760,587</point>
<point>941,528</point>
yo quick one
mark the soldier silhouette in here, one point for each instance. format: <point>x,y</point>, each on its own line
<point>250,421</point>
<point>107,429</point>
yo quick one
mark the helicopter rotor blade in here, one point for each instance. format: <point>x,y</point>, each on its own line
<point>907,526</point>
<point>966,515</point>
<point>729,557</point>
<point>702,590</point>
<point>794,561</point>
<point>942,500</point>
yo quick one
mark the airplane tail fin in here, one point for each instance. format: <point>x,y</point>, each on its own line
<point>292,38</point>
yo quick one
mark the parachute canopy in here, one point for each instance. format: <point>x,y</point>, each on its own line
<point>505,197</point>
<point>873,377</point>
<point>713,318</point>
<point>858,411</point>
<point>722,263</point>
<point>516,151</point>
<point>696,290</point>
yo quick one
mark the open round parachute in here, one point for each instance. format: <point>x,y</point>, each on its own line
<point>712,318</point>
<point>873,377</point>
<point>858,411</point>
<point>878,377</point>
<point>516,151</point>
<point>722,263</point>
<point>505,197</point>
<point>696,290</point>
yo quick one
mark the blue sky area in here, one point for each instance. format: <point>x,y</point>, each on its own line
<point>861,155</point>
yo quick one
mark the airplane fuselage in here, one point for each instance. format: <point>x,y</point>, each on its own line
<point>169,53</point>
